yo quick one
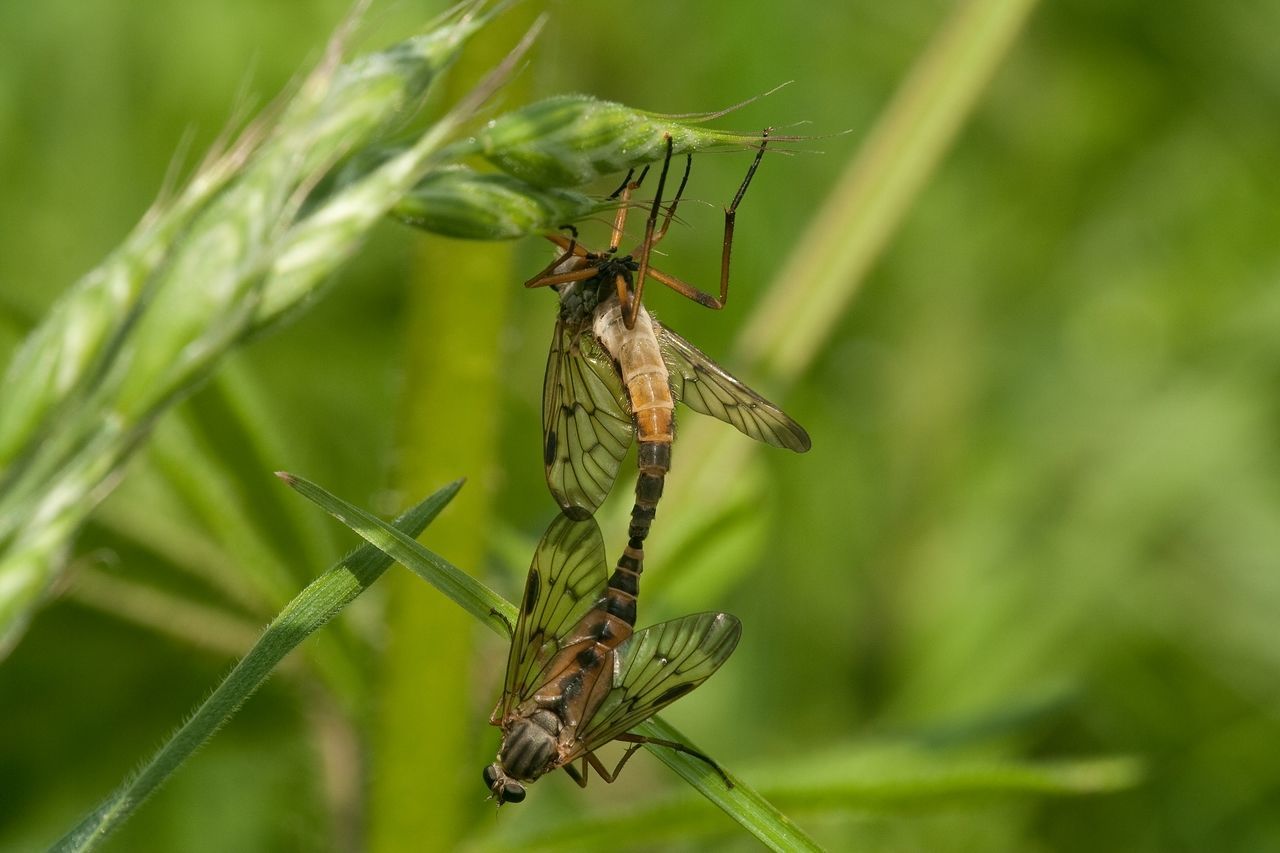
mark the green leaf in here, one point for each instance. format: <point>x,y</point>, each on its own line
<point>473,596</point>
<point>319,602</point>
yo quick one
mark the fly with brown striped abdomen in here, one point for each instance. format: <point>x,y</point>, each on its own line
<point>579,675</point>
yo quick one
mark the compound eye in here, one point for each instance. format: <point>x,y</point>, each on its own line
<point>490,776</point>
<point>512,792</point>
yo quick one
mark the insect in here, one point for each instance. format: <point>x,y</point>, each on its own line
<point>578,677</point>
<point>614,372</point>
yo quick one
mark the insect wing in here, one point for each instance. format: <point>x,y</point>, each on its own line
<point>565,578</point>
<point>656,667</point>
<point>706,387</point>
<point>586,425</point>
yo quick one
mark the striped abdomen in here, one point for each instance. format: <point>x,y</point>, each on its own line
<point>644,375</point>
<point>582,673</point>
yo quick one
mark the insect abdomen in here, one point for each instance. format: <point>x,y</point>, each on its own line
<point>647,380</point>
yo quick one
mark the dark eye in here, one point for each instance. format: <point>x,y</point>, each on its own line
<point>490,776</point>
<point>512,792</point>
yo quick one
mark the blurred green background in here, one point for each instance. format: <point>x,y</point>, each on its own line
<point>1040,520</point>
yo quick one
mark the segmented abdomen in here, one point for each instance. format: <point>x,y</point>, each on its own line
<point>644,374</point>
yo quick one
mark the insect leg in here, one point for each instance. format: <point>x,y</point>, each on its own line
<point>570,247</point>
<point>505,621</point>
<point>730,214</point>
<point>620,218</point>
<point>640,740</point>
<point>588,761</point>
<point>627,182</point>
<point>688,290</point>
<point>622,186</point>
<point>631,311</point>
<point>575,775</point>
<point>675,200</point>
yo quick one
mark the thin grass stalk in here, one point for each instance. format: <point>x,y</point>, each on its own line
<point>454,316</point>
<point>309,611</point>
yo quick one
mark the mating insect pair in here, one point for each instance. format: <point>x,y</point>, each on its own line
<point>578,675</point>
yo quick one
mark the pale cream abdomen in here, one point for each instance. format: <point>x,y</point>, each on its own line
<point>643,370</point>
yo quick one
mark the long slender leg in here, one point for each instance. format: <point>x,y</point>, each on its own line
<point>620,218</point>
<point>588,761</point>
<point>627,180</point>
<point>579,777</point>
<point>730,214</point>
<point>563,278</point>
<point>675,200</point>
<point>631,310</point>
<point>592,760</point>
<point>504,620</point>
<point>623,185</point>
<point>639,740</point>
<point>570,250</point>
<point>688,290</point>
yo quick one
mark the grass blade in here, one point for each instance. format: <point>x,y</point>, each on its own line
<point>464,590</point>
<point>742,803</point>
<point>319,602</point>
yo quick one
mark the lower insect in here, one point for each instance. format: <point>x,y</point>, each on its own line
<point>579,675</point>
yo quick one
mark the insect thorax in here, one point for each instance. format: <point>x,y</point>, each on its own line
<point>529,745</point>
<point>579,298</point>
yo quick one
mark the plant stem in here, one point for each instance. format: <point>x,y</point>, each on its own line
<point>454,318</point>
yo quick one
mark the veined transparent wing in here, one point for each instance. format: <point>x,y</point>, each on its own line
<point>566,577</point>
<point>705,387</point>
<point>586,421</point>
<point>657,666</point>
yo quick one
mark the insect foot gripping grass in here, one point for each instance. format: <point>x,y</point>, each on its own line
<point>545,150</point>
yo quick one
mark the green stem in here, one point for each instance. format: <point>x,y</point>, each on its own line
<point>454,317</point>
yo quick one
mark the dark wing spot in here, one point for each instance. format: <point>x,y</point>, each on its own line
<point>674,693</point>
<point>577,513</point>
<point>549,449</point>
<point>531,591</point>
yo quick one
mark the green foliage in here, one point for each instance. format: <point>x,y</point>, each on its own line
<point>323,599</point>
<point>134,334</point>
<point>1034,342</point>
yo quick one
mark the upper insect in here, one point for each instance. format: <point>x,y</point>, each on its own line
<point>614,373</point>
